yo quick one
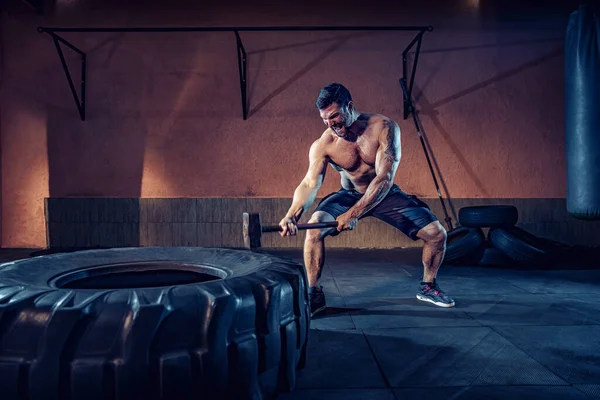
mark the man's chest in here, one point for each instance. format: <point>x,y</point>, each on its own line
<point>351,156</point>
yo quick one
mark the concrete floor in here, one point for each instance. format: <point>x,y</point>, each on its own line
<point>514,333</point>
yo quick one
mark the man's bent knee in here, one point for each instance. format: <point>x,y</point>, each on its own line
<point>316,235</point>
<point>433,232</point>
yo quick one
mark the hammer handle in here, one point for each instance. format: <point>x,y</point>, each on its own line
<point>277,228</point>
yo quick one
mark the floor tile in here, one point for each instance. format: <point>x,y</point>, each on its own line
<point>335,316</point>
<point>459,286</point>
<point>592,391</point>
<point>329,286</point>
<point>339,359</point>
<point>492,393</point>
<point>557,282</point>
<point>376,286</point>
<point>529,309</point>
<point>421,357</point>
<point>571,352</point>
<point>339,394</point>
<point>384,313</point>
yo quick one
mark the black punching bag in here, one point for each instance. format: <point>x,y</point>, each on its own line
<point>582,112</point>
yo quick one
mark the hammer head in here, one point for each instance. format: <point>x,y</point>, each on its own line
<point>252,230</point>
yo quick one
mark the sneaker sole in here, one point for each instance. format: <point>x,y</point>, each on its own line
<point>437,303</point>
<point>318,310</point>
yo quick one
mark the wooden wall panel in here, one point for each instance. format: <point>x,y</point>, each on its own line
<point>213,222</point>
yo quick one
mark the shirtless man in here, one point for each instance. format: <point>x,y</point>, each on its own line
<point>365,149</point>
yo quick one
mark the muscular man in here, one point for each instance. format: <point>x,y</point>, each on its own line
<point>365,149</point>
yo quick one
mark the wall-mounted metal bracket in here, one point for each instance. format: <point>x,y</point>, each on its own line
<point>79,102</point>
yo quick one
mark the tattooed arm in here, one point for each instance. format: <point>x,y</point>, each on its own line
<point>386,164</point>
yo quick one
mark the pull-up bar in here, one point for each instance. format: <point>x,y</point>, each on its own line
<point>240,29</point>
<point>241,52</point>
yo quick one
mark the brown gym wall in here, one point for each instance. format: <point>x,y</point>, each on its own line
<point>165,157</point>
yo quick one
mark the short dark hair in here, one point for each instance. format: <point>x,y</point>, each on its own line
<point>333,93</point>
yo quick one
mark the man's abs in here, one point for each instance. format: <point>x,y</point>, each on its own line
<point>357,181</point>
<point>355,173</point>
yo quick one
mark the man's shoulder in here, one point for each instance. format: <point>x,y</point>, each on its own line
<point>377,121</point>
<point>379,124</point>
<point>321,144</point>
<point>380,119</point>
<point>326,138</point>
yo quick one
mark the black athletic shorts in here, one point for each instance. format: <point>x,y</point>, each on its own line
<point>403,211</point>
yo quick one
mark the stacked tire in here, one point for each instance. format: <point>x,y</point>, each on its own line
<point>505,244</point>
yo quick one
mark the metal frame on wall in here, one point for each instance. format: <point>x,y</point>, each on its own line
<point>405,83</point>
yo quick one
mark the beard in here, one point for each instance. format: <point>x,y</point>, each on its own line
<point>340,128</point>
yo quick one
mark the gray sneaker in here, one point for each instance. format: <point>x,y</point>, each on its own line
<point>317,300</point>
<point>433,294</point>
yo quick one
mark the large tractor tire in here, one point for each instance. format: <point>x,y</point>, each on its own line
<point>152,323</point>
